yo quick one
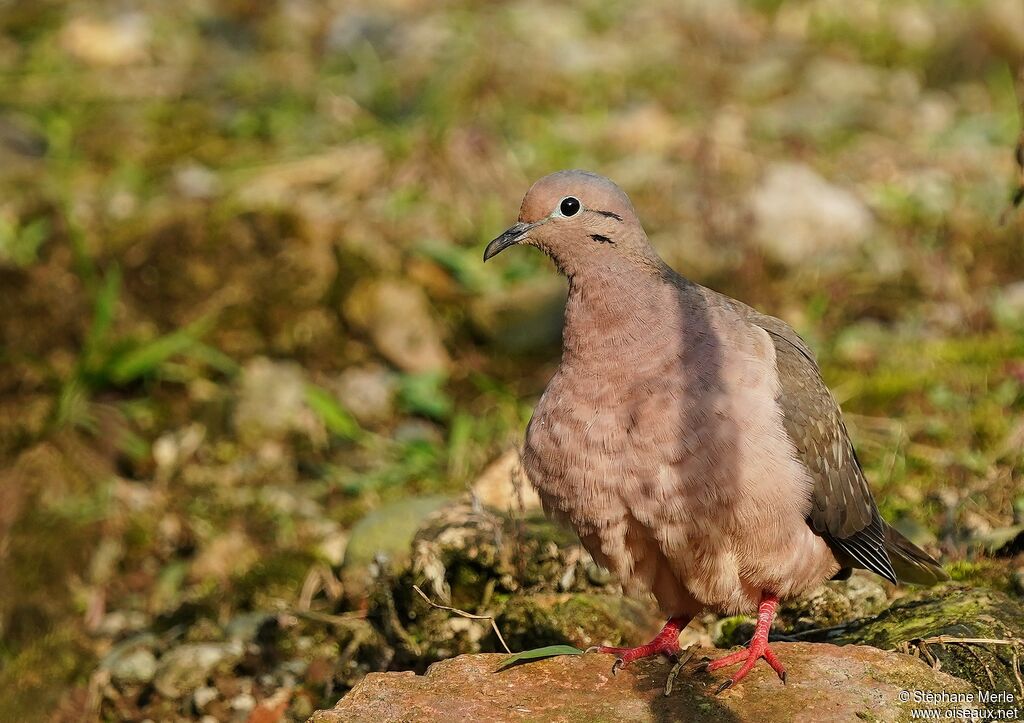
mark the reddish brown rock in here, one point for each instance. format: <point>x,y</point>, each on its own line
<point>850,683</point>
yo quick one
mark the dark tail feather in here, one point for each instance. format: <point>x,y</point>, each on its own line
<point>911,563</point>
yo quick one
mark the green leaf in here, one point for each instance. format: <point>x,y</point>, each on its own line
<point>104,307</point>
<point>424,394</point>
<point>538,653</point>
<point>144,359</point>
<point>334,416</point>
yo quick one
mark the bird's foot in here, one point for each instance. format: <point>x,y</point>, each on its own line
<point>664,643</point>
<point>758,648</point>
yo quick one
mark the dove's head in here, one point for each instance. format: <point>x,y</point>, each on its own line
<point>582,221</point>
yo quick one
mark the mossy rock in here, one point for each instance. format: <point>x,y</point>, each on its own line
<point>580,619</point>
<point>915,624</point>
<point>464,554</point>
<point>385,534</point>
<point>533,576</point>
<point>831,603</point>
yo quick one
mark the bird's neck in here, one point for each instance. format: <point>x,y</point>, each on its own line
<point>611,312</point>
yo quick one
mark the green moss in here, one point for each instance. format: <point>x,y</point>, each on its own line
<point>953,612</point>
<point>579,619</point>
<point>35,678</point>
<point>734,630</point>
<point>275,577</point>
<point>991,573</point>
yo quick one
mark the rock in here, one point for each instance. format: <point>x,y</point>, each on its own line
<point>799,215</point>
<point>526,572</point>
<point>118,622</point>
<point>578,619</point>
<point>188,666</point>
<point>247,626</point>
<point>194,180</point>
<point>496,487</point>
<point>457,551</point>
<point>1008,305</point>
<point>368,393</point>
<point>385,533</point>
<point>202,697</point>
<point>231,553</point>
<point>824,683</point>
<point>916,624</point>
<point>1002,22</point>
<point>173,449</point>
<point>842,81</point>
<point>831,603</point>
<point>124,40</point>
<point>131,661</point>
<point>396,314</point>
<point>272,400</point>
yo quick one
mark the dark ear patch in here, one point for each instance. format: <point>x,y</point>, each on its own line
<point>609,214</point>
<point>601,239</point>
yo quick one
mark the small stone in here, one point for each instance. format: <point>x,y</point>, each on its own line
<point>124,40</point>
<point>246,627</point>
<point>368,393</point>
<point>332,546</point>
<point>799,215</point>
<point>194,180</point>
<point>115,623</point>
<point>132,661</point>
<point>1008,305</point>
<point>202,697</point>
<point>231,553</point>
<point>503,485</point>
<point>397,316</point>
<point>243,703</point>
<point>187,667</point>
<point>272,400</point>
<point>1003,25</point>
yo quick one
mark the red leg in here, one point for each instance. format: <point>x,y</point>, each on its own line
<point>665,643</point>
<point>758,648</point>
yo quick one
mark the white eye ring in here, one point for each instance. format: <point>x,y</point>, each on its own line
<point>568,207</point>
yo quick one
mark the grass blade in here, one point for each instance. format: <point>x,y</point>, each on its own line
<point>549,651</point>
<point>334,416</point>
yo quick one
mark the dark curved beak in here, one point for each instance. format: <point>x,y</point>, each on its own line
<point>510,238</point>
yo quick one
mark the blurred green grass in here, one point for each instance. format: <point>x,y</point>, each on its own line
<point>188,187</point>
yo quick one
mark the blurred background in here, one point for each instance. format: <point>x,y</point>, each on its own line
<point>242,305</point>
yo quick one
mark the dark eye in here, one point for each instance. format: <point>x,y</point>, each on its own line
<point>569,206</point>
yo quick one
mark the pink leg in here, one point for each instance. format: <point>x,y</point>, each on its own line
<point>665,643</point>
<point>758,648</point>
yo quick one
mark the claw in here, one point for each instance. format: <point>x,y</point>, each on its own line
<point>592,649</point>
<point>681,659</point>
<point>617,665</point>
<point>724,686</point>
